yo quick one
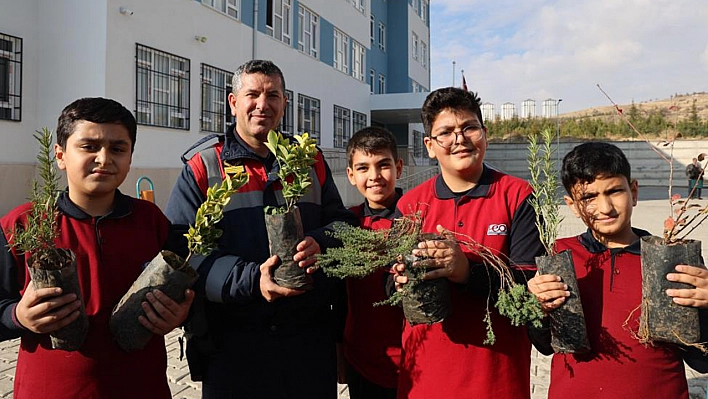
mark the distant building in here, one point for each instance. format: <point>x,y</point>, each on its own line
<point>508,111</point>
<point>528,109</point>
<point>488,114</point>
<point>549,108</point>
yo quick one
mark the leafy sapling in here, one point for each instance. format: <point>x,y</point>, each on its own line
<point>202,237</point>
<point>294,162</point>
<point>168,272</point>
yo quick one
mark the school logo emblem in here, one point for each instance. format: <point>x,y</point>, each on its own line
<point>497,229</point>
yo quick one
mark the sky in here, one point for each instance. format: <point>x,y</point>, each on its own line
<point>513,50</point>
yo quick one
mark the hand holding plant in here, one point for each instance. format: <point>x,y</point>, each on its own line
<point>49,266</point>
<point>661,318</point>
<point>283,223</point>
<point>167,277</point>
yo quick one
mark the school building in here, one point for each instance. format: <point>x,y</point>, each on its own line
<point>347,64</point>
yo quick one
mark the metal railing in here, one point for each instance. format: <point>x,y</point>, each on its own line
<point>406,183</point>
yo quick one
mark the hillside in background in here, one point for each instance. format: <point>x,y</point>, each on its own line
<point>682,115</point>
<point>676,108</point>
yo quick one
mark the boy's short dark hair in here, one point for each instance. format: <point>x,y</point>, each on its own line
<point>372,140</point>
<point>265,67</point>
<point>449,98</point>
<point>587,161</point>
<point>96,110</point>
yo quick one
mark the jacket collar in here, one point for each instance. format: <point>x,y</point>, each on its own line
<point>235,147</point>
<point>388,212</point>
<point>594,246</point>
<point>442,191</point>
<point>123,206</point>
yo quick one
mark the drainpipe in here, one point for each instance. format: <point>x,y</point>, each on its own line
<point>255,29</point>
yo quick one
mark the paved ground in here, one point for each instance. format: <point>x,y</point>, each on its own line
<point>649,215</point>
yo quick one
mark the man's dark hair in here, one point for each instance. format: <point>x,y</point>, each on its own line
<point>451,98</point>
<point>588,161</point>
<point>265,67</point>
<point>372,140</point>
<point>96,110</point>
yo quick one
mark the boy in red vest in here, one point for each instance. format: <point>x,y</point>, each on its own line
<point>112,236</point>
<point>607,262</point>
<point>468,198</point>
<point>372,335</point>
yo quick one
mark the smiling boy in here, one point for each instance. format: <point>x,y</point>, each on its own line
<point>372,335</point>
<point>472,201</point>
<point>112,236</point>
<point>601,192</point>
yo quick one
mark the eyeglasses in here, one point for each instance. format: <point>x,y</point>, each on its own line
<point>447,139</point>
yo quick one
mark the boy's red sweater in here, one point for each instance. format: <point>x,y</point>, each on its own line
<point>372,335</point>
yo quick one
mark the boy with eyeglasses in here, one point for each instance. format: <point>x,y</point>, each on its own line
<point>473,201</point>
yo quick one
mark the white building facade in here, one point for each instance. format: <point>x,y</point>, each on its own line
<point>528,109</point>
<point>170,62</point>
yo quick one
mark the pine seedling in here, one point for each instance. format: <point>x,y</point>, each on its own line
<point>545,188</point>
<point>365,251</point>
<point>513,300</point>
<point>38,234</point>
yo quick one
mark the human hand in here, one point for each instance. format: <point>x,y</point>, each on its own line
<point>398,270</point>
<point>445,257</point>
<point>696,276</point>
<point>549,290</point>
<point>269,289</point>
<point>305,256</point>
<point>46,310</point>
<point>162,314</point>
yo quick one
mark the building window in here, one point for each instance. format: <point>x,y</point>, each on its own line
<point>358,65</point>
<point>424,54</point>
<point>228,7</point>
<point>382,84</point>
<point>10,78</point>
<point>359,5</point>
<point>341,51</point>
<point>418,144</point>
<point>382,36</point>
<point>372,78</point>
<point>372,32</point>
<point>286,126</point>
<point>308,41</point>
<point>342,123</point>
<point>162,89</point>
<point>414,46</point>
<point>308,116</point>
<point>414,3</point>
<point>278,19</point>
<point>424,10</point>
<point>358,121</point>
<point>216,86</point>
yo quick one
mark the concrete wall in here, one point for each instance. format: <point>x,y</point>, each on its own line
<point>647,165</point>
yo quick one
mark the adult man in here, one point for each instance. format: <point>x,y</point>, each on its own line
<point>694,172</point>
<point>262,340</point>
